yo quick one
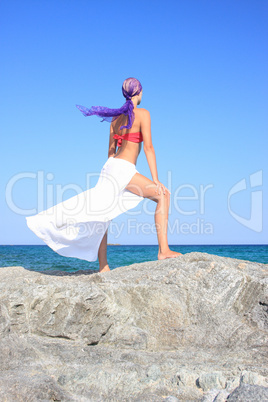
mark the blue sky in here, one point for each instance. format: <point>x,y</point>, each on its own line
<point>203,67</point>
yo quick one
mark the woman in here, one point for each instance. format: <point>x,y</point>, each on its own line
<point>78,227</point>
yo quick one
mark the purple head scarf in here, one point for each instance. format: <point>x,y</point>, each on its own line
<point>130,88</point>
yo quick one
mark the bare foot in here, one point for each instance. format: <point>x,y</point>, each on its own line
<point>105,269</point>
<point>168,254</point>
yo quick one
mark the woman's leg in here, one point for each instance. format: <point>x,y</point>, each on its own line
<point>102,254</point>
<point>145,187</point>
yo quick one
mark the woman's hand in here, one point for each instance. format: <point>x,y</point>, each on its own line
<point>160,187</point>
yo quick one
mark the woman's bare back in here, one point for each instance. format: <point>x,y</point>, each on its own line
<point>128,150</point>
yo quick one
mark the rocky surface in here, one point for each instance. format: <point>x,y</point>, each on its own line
<point>193,328</point>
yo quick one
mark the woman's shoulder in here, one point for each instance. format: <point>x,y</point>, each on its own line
<point>142,109</point>
<point>143,118</point>
<point>143,112</point>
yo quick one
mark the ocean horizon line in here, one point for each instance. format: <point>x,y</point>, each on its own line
<point>144,245</point>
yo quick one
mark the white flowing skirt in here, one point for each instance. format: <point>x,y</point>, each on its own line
<point>75,227</point>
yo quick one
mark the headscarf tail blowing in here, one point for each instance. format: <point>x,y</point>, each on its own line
<point>131,87</point>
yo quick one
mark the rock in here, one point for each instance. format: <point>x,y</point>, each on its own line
<point>211,395</point>
<point>211,380</point>
<point>215,395</point>
<point>233,382</point>
<point>222,396</point>
<point>190,328</point>
<point>187,378</point>
<point>249,393</point>
<point>21,386</point>
<point>249,377</point>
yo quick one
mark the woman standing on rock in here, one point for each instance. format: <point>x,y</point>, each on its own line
<point>78,226</point>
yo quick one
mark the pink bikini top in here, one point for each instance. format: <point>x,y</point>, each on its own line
<point>133,137</point>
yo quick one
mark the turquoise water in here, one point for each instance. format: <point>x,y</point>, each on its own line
<point>42,258</point>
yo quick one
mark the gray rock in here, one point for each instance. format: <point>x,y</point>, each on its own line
<point>187,378</point>
<point>215,395</point>
<point>249,393</point>
<point>182,328</point>
<point>211,395</point>
<point>249,377</point>
<point>222,396</point>
<point>208,381</point>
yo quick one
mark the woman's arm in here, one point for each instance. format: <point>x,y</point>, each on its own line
<point>112,143</point>
<point>147,143</point>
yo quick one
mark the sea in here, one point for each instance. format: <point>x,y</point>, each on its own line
<point>43,258</point>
